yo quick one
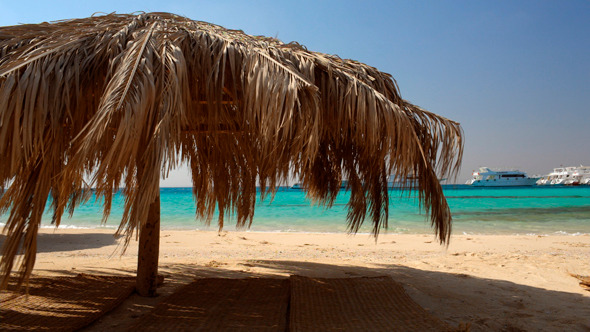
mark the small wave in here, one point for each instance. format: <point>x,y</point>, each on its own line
<point>62,226</point>
<point>570,234</point>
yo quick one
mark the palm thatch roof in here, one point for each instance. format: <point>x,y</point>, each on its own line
<point>126,98</point>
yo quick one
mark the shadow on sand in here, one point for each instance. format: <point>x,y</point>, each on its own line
<point>458,299</point>
<point>70,242</point>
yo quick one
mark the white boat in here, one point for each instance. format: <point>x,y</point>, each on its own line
<point>563,176</point>
<point>570,175</point>
<point>490,178</point>
<point>544,180</point>
<point>582,175</point>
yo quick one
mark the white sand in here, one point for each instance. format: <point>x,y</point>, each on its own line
<point>493,282</point>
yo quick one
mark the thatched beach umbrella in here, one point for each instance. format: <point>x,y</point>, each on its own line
<point>126,98</point>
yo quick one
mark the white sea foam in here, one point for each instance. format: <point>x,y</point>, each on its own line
<point>572,234</point>
<point>62,226</point>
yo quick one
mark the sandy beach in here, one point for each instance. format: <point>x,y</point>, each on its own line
<point>492,282</point>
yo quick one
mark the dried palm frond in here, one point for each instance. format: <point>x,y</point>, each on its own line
<point>126,98</point>
<point>584,280</point>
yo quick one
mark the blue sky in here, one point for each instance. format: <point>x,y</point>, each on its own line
<point>515,74</point>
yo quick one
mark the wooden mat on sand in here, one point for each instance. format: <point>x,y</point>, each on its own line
<point>62,303</point>
<point>215,304</point>
<point>295,304</point>
<point>356,304</point>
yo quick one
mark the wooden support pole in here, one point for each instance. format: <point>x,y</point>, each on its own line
<point>149,246</point>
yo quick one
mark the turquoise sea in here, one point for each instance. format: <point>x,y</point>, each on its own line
<point>516,210</point>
